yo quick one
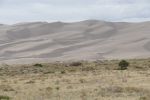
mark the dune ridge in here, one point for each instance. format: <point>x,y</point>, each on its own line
<point>85,40</point>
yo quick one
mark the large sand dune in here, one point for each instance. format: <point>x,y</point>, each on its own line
<point>85,40</point>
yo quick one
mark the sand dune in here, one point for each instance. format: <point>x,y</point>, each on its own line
<point>85,40</point>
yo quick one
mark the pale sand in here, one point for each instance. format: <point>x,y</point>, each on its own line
<point>85,40</point>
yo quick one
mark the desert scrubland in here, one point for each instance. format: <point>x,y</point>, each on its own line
<point>82,80</point>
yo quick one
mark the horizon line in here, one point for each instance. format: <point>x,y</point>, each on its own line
<point>42,21</point>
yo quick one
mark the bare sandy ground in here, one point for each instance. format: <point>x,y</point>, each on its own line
<point>85,40</point>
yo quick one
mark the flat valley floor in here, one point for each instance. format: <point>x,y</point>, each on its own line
<point>97,80</point>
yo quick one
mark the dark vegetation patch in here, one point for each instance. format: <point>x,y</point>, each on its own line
<point>76,64</point>
<point>2,97</point>
<point>71,67</point>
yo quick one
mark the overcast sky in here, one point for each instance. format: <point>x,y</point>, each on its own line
<point>14,11</point>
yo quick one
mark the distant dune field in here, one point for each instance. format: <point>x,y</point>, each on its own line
<point>85,40</point>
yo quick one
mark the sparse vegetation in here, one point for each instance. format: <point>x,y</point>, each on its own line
<point>38,65</point>
<point>76,63</point>
<point>49,89</point>
<point>95,80</point>
<point>82,80</point>
<point>49,72</point>
<point>63,72</point>
<point>123,64</point>
<point>6,88</point>
<point>57,88</point>
<point>2,97</point>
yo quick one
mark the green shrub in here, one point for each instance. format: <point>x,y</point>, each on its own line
<point>38,65</point>
<point>63,72</point>
<point>57,88</point>
<point>4,97</point>
<point>123,64</point>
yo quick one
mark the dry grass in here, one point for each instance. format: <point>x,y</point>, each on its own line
<point>97,80</point>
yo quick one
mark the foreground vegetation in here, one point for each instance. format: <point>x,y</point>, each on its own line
<point>82,80</point>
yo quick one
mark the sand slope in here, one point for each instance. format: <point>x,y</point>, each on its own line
<point>85,40</point>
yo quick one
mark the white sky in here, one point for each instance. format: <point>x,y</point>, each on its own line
<point>14,11</point>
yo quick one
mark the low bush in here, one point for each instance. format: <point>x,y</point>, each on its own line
<point>2,97</point>
<point>38,65</point>
<point>123,64</point>
<point>76,64</point>
<point>63,72</point>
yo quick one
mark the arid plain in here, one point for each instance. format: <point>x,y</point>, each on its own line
<point>98,80</point>
<point>74,61</point>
